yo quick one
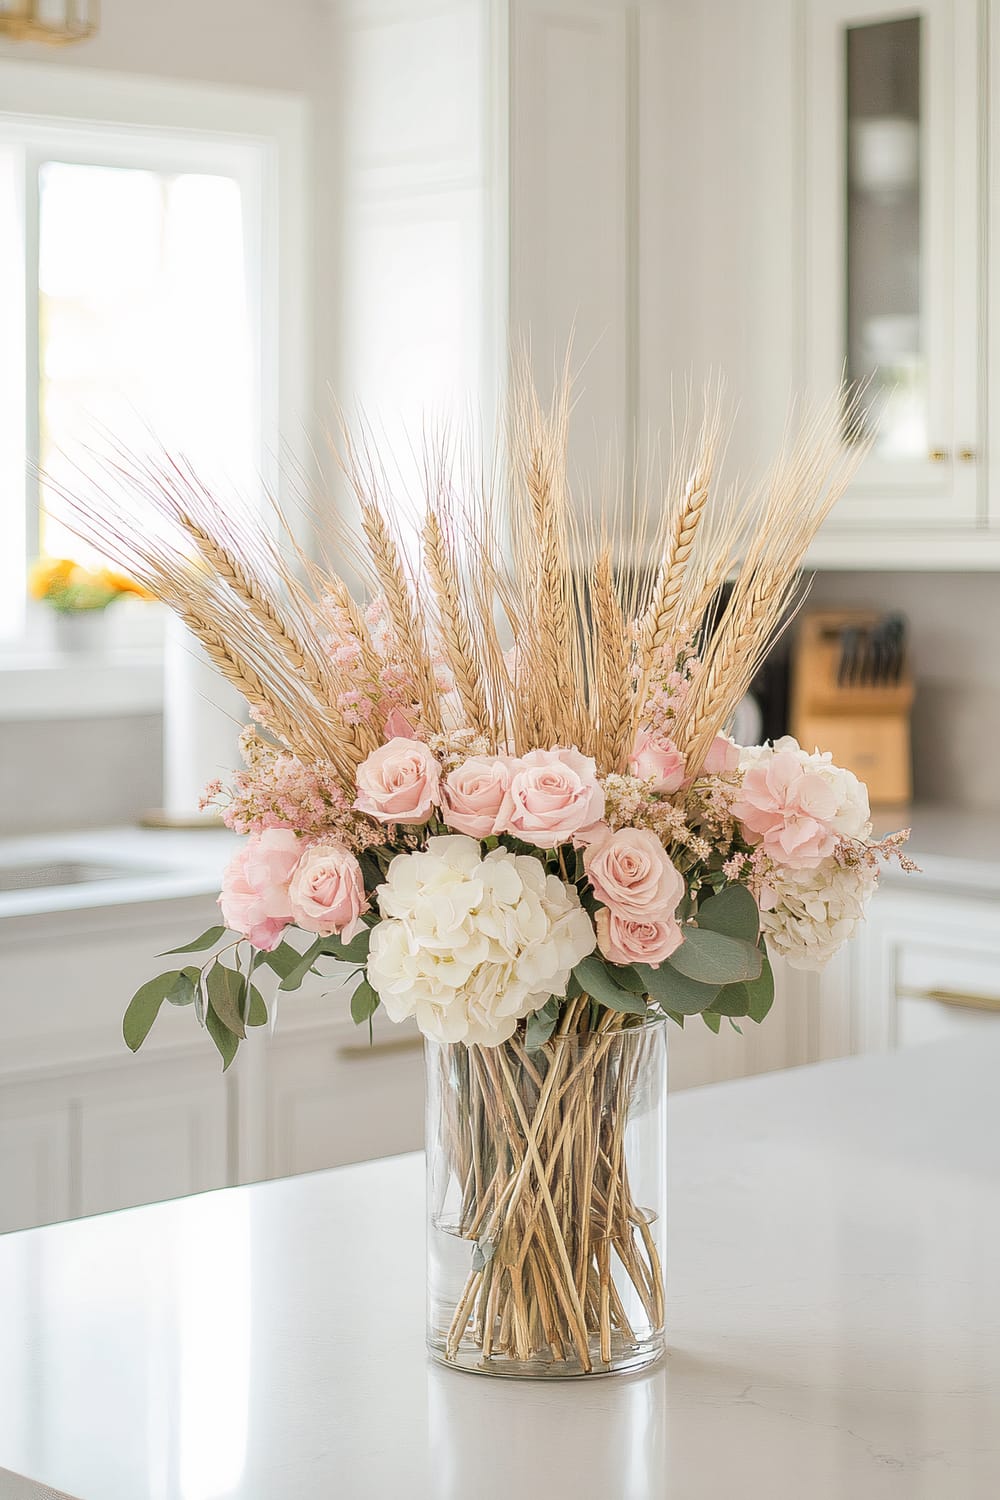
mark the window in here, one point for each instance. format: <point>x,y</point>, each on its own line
<point>130,296</point>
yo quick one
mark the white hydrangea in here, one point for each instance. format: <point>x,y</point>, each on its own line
<point>807,915</point>
<point>468,945</point>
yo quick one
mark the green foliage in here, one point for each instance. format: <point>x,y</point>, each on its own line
<point>712,1020</point>
<point>364,1003</point>
<point>144,1007</point>
<point>675,991</point>
<point>733,912</point>
<point>595,979</point>
<point>225,997</point>
<point>201,944</point>
<point>293,979</point>
<point>541,1024</point>
<point>713,958</point>
<point>223,1038</point>
<point>281,960</point>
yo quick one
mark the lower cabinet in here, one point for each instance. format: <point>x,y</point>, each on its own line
<point>85,1127</point>
<point>927,967</point>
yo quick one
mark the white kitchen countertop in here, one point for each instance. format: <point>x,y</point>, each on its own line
<point>956,848</point>
<point>833,1308</point>
<point>157,864</point>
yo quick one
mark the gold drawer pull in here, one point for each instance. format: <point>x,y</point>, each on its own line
<point>358,1051</point>
<point>958,998</point>
<point>938,455</point>
<point>967,455</point>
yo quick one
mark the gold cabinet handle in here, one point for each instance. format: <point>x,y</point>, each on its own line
<point>938,455</point>
<point>967,455</point>
<point>958,998</point>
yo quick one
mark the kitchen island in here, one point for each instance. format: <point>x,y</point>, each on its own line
<point>833,1321</point>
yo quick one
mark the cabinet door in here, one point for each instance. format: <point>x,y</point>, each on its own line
<point>153,1131</point>
<point>34,1155</point>
<point>333,1097</point>
<point>892,185</point>
<point>571,163</point>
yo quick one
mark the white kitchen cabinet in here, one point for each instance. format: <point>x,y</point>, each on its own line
<point>35,1151</point>
<point>898,104</point>
<point>926,966</point>
<point>145,1134</point>
<point>333,1097</point>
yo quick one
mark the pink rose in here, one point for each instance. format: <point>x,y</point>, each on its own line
<point>789,810</point>
<point>327,892</point>
<point>398,783</point>
<point>657,758</point>
<point>474,795</point>
<point>632,874</point>
<point>254,899</point>
<point>629,940</point>
<point>553,795</point>
<point>723,756</point>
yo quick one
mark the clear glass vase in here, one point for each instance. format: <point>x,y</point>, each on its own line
<point>546,1188</point>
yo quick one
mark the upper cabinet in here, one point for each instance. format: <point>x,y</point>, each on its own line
<point>894,197</point>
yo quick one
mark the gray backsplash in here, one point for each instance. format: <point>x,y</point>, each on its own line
<point>81,773</point>
<point>954,621</point>
<point>58,774</point>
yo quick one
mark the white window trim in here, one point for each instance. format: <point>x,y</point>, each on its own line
<point>265,137</point>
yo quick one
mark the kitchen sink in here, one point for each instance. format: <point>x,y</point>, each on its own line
<point>41,874</point>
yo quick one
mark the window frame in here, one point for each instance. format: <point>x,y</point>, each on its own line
<point>81,116</point>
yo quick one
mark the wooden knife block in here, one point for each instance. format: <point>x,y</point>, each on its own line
<point>866,727</point>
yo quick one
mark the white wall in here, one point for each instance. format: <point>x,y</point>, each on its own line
<point>259,43</point>
<point>954,623</point>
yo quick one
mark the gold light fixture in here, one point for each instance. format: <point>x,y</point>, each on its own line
<point>54,21</point>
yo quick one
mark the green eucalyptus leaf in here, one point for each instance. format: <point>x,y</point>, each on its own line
<point>227,1043</point>
<point>712,1020</point>
<point>732,1000</point>
<point>201,944</point>
<point>225,997</point>
<point>281,960</point>
<point>364,1003</point>
<point>761,991</point>
<point>257,1013</point>
<point>732,912</point>
<point>354,952</point>
<point>675,991</point>
<point>295,976</point>
<point>540,1025</point>
<point>594,980</point>
<point>713,958</point>
<point>144,1007</point>
<point>185,989</point>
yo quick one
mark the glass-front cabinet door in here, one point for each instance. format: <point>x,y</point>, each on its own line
<point>892,191</point>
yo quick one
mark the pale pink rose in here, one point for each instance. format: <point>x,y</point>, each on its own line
<point>630,940</point>
<point>398,783</point>
<point>254,898</point>
<point>327,892</point>
<point>554,794</point>
<point>474,796</point>
<point>632,874</point>
<point>398,726</point>
<point>656,758</point>
<point>723,756</point>
<point>789,810</point>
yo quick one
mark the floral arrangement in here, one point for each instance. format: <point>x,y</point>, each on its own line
<point>69,588</point>
<point>497,793</point>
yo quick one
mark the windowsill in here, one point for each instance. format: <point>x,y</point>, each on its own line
<point>51,685</point>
